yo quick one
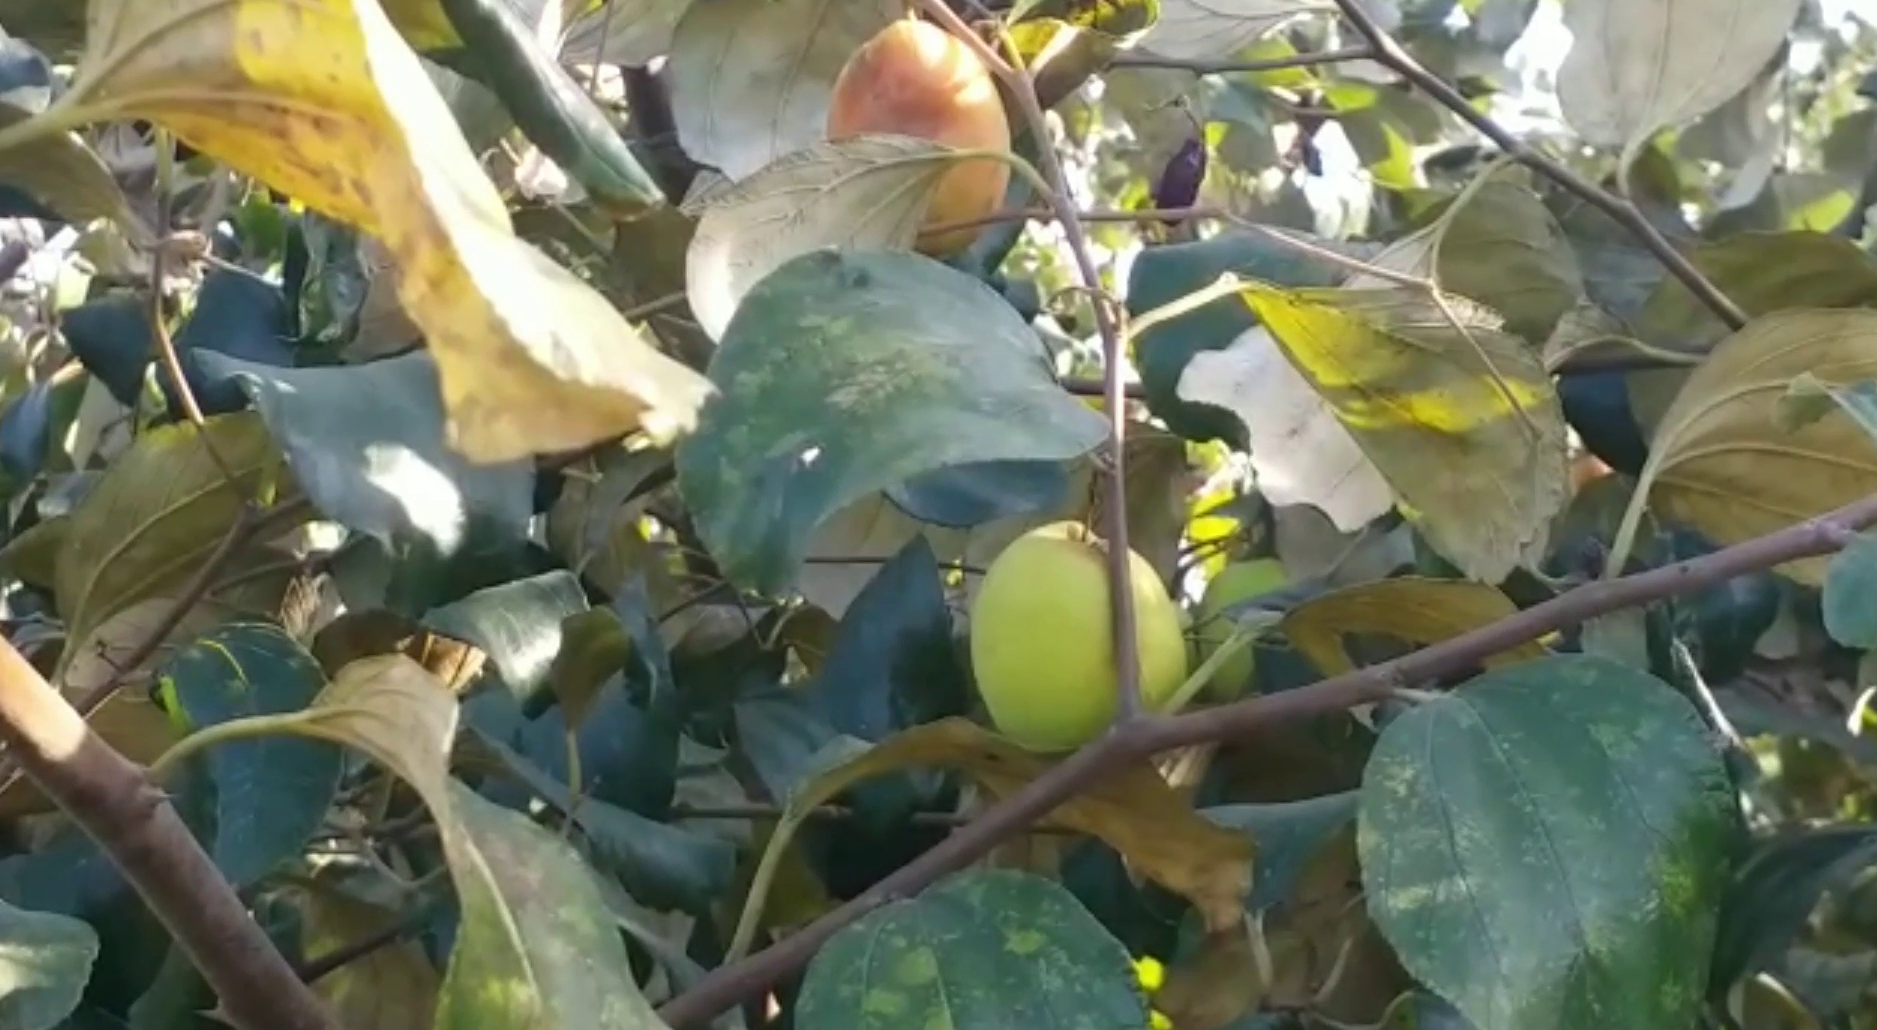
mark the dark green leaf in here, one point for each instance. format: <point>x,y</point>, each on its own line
<point>990,948</point>
<point>1775,891</point>
<point>1548,845</point>
<point>846,372</point>
<point>557,114</point>
<point>1289,836</point>
<point>892,664</point>
<point>271,791</point>
<point>661,865</point>
<point>518,625</point>
<point>971,495</point>
<point>367,444</point>
<point>1850,598</point>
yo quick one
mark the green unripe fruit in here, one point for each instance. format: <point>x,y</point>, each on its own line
<point>1236,583</point>
<point>1042,647</point>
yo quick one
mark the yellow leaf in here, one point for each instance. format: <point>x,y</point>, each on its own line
<point>1135,811</point>
<point>324,101</point>
<point>1460,417</point>
<point>1414,610</point>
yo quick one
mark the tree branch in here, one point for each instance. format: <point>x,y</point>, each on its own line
<point>729,985</point>
<point>108,797</point>
<point>1390,53</point>
<point>1114,352</point>
<point>1273,64</point>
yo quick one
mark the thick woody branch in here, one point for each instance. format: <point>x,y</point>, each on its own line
<point>732,984</point>
<point>109,798</point>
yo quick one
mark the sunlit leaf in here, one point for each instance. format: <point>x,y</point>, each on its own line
<point>322,100</point>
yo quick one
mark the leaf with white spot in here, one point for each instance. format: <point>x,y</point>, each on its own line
<point>1300,451</point>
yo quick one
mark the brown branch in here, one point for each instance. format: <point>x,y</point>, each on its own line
<point>159,307</point>
<point>132,821</point>
<point>312,970</point>
<point>1390,53</point>
<point>729,985</point>
<point>1272,64</point>
<point>1114,352</point>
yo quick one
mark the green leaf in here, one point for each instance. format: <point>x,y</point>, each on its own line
<point>985,948</point>
<point>1776,891</point>
<point>518,625</point>
<point>1162,275</point>
<point>156,515</point>
<point>1547,846</point>
<point>870,191</point>
<point>892,664</point>
<point>535,948</point>
<point>47,964</point>
<point>270,792</point>
<point>1850,599</point>
<point>666,866</point>
<point>551,109</point>
<point>750,79</point>
<point>1760,272</point>
<point>844,373</point>
<point>1289,836</point>
<point>1497,244</point>
<point>367,444</point>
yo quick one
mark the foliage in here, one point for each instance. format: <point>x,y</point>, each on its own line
<point>521,491</point>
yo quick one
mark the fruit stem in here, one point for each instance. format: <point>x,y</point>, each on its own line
<point>1120,593</point>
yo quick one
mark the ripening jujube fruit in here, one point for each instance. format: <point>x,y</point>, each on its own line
<point>1042,646</point>
<point>915,79</point>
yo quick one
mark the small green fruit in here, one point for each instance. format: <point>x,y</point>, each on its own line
<point>1236,583</point>
<point>1041,643</point>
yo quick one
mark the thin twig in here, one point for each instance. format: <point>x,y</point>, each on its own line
<point>729,985</point>
<point>313,969</point>
<point>135,825</point>
<point>1271,64</point>
<point>1022,88</point>
<point>159,307</point>
<point>834,813</point>
<point>1390,53</point>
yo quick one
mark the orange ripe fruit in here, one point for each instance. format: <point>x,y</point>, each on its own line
<point>916,79</point>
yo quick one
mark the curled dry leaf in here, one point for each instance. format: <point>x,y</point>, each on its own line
<point>322,100</point>
<point>1135,811</point>
<point>1414,610</point>
<point>1722,461</point>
